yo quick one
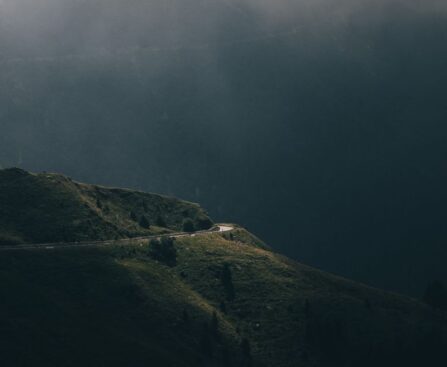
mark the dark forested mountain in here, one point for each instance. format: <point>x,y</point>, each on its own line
<point>213,299</point>
<point>318,124</point>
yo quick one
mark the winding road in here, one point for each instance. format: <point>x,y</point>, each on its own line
<point>51,246</point>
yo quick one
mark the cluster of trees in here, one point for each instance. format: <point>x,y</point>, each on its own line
<point>213,343</point>
<point>142,221</point>
<point>163,250</point>
<point>188,224</point>
<point>200,223</point>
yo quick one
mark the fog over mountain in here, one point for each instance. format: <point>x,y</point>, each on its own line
<point>320,125</point>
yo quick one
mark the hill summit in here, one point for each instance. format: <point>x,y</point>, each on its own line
<point>48,207</point>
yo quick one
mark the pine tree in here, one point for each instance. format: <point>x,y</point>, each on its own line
<point>215,326</point>
<point>144,222</point>
<point>227,282</point>
<point>133,216</point>
<point>206,341</point>
<point>223,307</point>
<point>246,351</point>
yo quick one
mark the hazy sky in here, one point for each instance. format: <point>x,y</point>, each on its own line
<point>318,124</point>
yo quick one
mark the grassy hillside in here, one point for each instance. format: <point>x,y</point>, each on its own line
<point>50,208</point>
<point>226,300</point>
<point>206,300</point>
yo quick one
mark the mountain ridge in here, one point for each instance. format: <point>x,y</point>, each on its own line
<point>208,299</point>
<point>50,207</point>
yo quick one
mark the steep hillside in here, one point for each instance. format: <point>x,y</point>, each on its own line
<point>50,208</point>
<point>225,300</point>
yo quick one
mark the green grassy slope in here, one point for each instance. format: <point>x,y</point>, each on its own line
<point>51,208</point>
<point>116,306</point>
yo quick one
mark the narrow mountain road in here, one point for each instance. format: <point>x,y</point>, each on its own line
<point>58,245</point>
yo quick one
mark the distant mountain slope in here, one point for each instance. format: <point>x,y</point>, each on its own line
<point>227,301</point>
<point>50,208</point>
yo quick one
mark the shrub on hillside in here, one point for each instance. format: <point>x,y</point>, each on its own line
<point>98,204</point>
<point>188,226</point>
<point>133,216</point>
